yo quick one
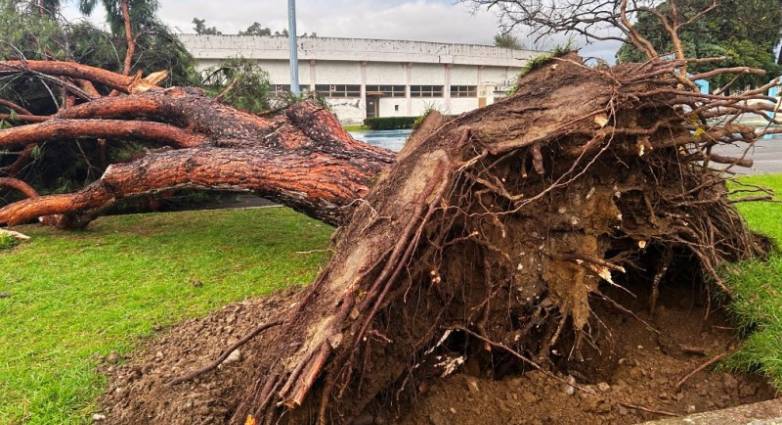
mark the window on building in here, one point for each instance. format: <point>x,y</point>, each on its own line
<point>464,91</point>
<point>280,89</point>
<point>426,91</point>
<point>386,91</point>
<point>338,90</point>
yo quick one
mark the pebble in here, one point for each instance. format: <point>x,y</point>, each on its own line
<point>570,389</point>
<point>98,417</point>
<point>234,357</point>
<point>691,408</point>
<point>452,410</point>
<point>604,387</point>
<point>472,385</point>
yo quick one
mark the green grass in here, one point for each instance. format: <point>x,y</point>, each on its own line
<point>356,127</point>
<point>757,287</point>
<point>75,297</point>
<point>7,241</point>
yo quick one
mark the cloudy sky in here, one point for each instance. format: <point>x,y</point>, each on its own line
<point>431,20</point>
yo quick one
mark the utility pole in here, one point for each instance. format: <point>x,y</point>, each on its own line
<point>294,60</point>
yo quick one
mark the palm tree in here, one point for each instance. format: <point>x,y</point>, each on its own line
<point>122,16</point>
<point>46,7</point>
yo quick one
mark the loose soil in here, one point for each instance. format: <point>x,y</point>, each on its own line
<point>628,377</point>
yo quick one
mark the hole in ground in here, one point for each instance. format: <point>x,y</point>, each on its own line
<point>631,369</point>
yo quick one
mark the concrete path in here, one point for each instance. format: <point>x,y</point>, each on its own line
<point>767,155</point>
<point>763,413</point>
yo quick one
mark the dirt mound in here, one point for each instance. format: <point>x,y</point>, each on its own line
<point>139,390</point>
<point>636,369</point>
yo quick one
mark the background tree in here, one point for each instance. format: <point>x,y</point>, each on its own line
<point>199,25</point>
<point>240,83</point>
<point>746,32</point>
<point>151,44</point>
<point>256,29</point>
<point>507,40</point>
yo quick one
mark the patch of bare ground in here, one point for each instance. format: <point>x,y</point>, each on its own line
<point>140,390</point>
<point>629,374</point>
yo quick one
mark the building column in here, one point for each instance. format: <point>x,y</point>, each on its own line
<point>362,103</point>
<point>408,81</point>
<point>447,88</point>
<point>480,90</point>
<point>312,76</point>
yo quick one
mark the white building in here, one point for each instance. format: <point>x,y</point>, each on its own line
<point>364,78</point>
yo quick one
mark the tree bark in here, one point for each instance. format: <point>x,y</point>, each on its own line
<point>299,156</point>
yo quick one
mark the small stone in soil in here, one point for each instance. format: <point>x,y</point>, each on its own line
<point>472,385</point>
<point>234,357</point>
<point>570,389</point>
<point>604,387</point>
<point>98,417</point>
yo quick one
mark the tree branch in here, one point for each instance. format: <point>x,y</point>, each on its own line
<point>71,129</point>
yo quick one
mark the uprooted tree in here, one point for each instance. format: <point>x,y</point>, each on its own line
<point>498,226</point>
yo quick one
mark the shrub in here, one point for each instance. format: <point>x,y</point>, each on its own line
<point>389,123</point>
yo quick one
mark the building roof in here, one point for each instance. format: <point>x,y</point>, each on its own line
<point>219,47</point>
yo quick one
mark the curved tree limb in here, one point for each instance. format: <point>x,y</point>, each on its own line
<point>70,129</point>
<point>116,81</point>
<point>317,184</point>
<point>14,107</point>
<point>19,185</point>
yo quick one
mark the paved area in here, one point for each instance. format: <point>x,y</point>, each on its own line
<point>763,413</point>
<point>767,155</point>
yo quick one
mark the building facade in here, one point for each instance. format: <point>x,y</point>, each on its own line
<point>363,78</point>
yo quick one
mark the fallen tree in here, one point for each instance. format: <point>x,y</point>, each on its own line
<point>497,228</point>
<point>493,233</point>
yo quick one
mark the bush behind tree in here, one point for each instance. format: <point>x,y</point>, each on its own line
<point>744,31</point>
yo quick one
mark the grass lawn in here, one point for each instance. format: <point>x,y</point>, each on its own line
<point>356,127</point>
<point>70,298</point>
<point>758,289</point>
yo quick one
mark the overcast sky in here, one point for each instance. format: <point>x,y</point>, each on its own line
<point>430,20</point>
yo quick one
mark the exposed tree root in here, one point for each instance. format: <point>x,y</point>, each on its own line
<point>490,223</point>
